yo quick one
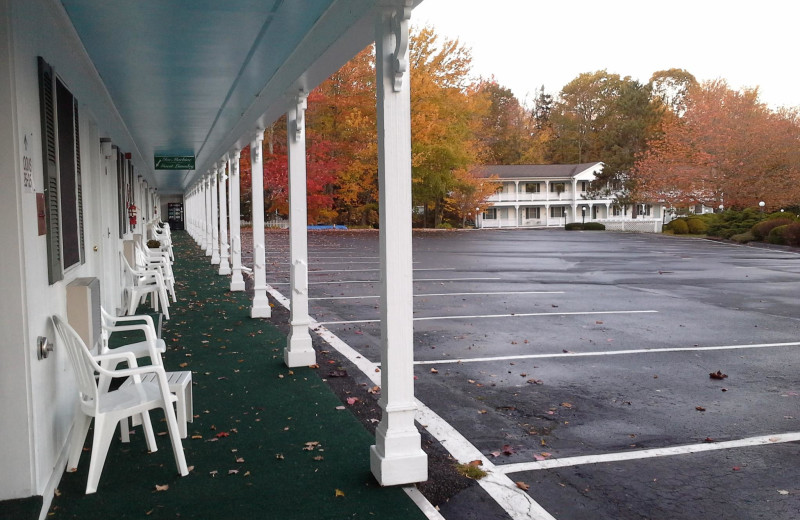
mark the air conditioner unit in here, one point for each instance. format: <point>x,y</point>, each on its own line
<point>83,309</point>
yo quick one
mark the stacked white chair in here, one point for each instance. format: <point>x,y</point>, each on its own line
<point>108,408</point>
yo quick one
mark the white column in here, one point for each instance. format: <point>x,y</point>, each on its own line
<point>397,456</point>
<point>237,281</point>
<point>260,308</point>
<point>207,215</point>
<point>299,351</point>
<point>214,217</point>
<point>224,265</point>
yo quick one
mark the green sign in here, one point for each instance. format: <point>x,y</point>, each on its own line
<point>174,162</point>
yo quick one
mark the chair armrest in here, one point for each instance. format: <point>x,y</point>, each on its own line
<point>118,356</point>
<point>148,320</point>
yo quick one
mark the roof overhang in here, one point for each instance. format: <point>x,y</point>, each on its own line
<point>198,77</point>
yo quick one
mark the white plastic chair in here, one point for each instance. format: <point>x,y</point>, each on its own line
<point>141,282</point>
<point>151,347</point>
<point>109,408</point>
<point>159,261</point>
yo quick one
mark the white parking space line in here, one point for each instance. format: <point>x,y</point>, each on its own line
<point>489,316</point>
<point>518,504</point>
<point>440,294</point>
<point>650,453</point>
<point>767,266</point>
<point>378,281</point>
<point>608,353</point>
<point>313,271</point>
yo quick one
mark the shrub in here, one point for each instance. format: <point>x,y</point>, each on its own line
<point>732,222</point>
<point>791,234</point>
<point>697,226</point>
<point>743,238</point>
<point>776,235</point>
<point>574,226</point>
<point>763,229</point>
<point>679,226</point>
<point>594,226</point>
<point>445,225</point>
<point>153,244</point>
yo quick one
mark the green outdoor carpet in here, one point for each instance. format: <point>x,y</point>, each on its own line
<point>266,442</point>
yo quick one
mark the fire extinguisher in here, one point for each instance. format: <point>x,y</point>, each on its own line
<point>132,214</point>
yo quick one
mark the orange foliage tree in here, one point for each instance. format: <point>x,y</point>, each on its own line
<point>726,149</point>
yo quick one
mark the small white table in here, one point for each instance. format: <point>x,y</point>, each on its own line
<point>180,384</point>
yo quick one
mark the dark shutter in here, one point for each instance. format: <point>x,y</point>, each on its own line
<point>121,194</point>
<point>49,153</point>
<point>79,182</point>
<point>65,136</point>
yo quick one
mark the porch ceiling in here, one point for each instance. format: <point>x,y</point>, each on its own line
<point>196,77</point>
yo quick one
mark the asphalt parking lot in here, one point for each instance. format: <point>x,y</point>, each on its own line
<point>577,364</point>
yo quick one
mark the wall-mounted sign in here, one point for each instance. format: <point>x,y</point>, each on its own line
<point>174,162</point>
<point>28,184</point>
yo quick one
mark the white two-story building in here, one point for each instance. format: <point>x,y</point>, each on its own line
<point>550,195</point>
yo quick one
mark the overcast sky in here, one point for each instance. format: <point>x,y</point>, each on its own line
<point>529,43</point>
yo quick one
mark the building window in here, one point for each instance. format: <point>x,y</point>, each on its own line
<point>645,210</point>
<point>532,187</point>
<point>61,158</point>
<point>584,185</point>
<point>616,210</point>
<point>533,213</point>
<point>490,214</point>
<point>558,212</point>
<point>558,187</point>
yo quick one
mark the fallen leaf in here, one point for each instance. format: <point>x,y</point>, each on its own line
<point>567,405</point>
<point>352,400</point>
<point>318,457</point>
<point>523,486</point>
<point>279,456</point>
<point>213,473</point>
<point>783,492</point>
<point>482,411</point>
<point>338,493</point>
<point>699,408</point>
<point>476,462</point>
<point>508,450</point>
<point>736,468</point>
<point>240,460</point>
<point>233,471</point>
<point>434,371</point>
<point>337,373</point>
<point>341,407</point>
<point>709,439</point>
<point>545,454</point>
<point>536,456</point>
<point>183,365</point>
<point>717,375</point>
<point>495,453</point>
<point>222,434</point>
<point>162,488</point>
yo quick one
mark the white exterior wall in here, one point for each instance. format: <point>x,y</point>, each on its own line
<point>38,396</point>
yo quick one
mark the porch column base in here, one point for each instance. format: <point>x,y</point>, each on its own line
<point>260,308</point>
<point>399,469</point>
<point>237,285</point>
<point>215,258</point>
<point>299,351</point>
<point>224,266</point>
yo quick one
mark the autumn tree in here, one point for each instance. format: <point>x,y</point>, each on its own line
<point>727,149</point>
<point>445,115</point>
<point>671,87</point>
<point>341,113</point>
<point>503,130</point>
<point>470,195</point>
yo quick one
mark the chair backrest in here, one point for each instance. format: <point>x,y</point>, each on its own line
<point>81,359</point>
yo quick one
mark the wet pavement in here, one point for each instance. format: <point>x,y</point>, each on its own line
<point>546,345</point>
